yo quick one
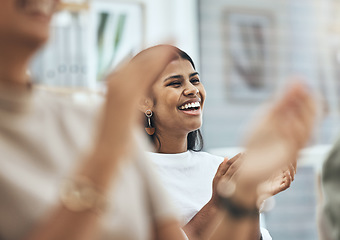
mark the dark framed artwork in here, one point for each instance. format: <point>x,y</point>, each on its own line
<point>117,34</point>
<point>250,62</point>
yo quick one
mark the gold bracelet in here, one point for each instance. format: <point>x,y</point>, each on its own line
<point>80,194</point>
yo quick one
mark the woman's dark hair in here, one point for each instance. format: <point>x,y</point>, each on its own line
<point>194,138</point>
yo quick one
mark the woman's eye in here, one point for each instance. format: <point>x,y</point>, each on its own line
<point>195,80</point>
<point>175,84</point>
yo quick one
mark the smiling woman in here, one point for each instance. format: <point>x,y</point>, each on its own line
<point>176,101</point>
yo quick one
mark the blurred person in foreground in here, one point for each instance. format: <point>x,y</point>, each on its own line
<point>329,206</point>
<point>67,172</point>
<point>110,192</point>
<point>173,110</point>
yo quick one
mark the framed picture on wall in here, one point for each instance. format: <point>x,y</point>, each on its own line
<point>117,33</point>
<point>250,63</point>
<point>89,39</point>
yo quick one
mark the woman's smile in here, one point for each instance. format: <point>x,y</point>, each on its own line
<point>192,107</point>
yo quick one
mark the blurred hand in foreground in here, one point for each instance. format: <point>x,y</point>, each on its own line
<point>274,145</point>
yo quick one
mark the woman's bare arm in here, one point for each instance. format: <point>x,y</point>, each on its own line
<point>125,87</point>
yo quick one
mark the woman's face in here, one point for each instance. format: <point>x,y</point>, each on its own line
<point>26,20</point>
<point>178,98</point>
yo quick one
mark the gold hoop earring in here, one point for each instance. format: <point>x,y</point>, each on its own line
<point>149,129</point>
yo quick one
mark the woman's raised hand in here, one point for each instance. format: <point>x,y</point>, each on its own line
<point>125,88</point>
<point>275,142</point>
<point>277,182</point>
<point>224,172</point>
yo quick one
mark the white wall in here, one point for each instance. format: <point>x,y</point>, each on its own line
<point>172,20</point>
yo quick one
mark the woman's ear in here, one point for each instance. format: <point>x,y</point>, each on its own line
<point>144,104</point>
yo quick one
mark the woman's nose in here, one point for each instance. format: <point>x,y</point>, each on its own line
<point>191,90</point>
